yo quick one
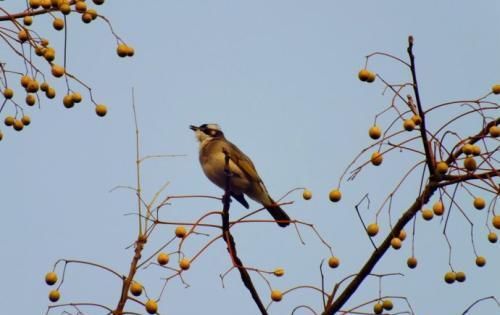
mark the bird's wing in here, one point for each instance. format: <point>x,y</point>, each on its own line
<point>256,190</point>
<point>244,163</point>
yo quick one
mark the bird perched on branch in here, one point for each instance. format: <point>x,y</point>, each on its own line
<point>245,180</point>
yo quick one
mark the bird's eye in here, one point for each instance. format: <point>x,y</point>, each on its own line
<point>213,132</point>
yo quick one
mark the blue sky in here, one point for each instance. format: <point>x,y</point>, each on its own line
<point>280,77</point>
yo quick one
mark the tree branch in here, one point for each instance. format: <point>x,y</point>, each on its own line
<point>139,245</point>
<point>423,129</point>
<point>379,252</point>
<point>228,238</point>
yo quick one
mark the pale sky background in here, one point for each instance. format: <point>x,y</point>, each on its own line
<point>280,77</point>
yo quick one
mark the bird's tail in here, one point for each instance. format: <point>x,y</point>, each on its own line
<point>279,215</point>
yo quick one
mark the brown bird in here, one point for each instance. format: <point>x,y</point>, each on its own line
<point>245,179</point>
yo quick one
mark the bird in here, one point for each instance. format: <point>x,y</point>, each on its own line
<point>244,181</point>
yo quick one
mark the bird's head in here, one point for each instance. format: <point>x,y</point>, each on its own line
<point>207,132</point>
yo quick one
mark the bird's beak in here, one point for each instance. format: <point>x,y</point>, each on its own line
<point>194,128</point>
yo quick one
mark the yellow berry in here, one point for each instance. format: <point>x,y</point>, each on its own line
<point>412,262</point>
<point>371,77</point>
<point>9,121</point>
<point>494,131</point>
<point>333,262</point>
<point>492,237</point>
<point>495,89</point>
<point>58,24</point>
<point>442,168</point>
<point>101,110</point>
<point>374,132</point>
<point>307,194</point>
<point>32,86</point>
<point>479,203</point>
<point>57,71</point>
<point>180,231</point>
<point>460,276</point>
<point>49,54</point>
<point>496,221</point>
<point>151,306</point>
<point>480,261</point>
<point>50,278</point>
<point>18,125</point>
<point>65,8</point>
<point>34,4</point>
<point>1,135</point>
<point>467,149</point>
<point>39,50</point>
<point>450,277</point>
<point>376,158</point>
<point>23,35</point>
<point>122,50</point>
<point>77,97</point>
<point>130,51</point>
<point>28,20</point>
<point>387,305</point>
<point>46,4</point>
<point>50,93</point>
<point>26,120</point>
<point>44,86</point>
<point>80,6</point>
<point>8,93</point>
<point>163,258</point>
<point>396,243</point>
<point>378,308</point>
<point>372,229</point>
<point>276,295</point>
<point>184,264</point>
<point>427,214</point>
<point>68,101</point>
<point>87,17</point>
<point>25,80</point>
<point>470,164</point>
<point>30,99</point>
<point>278,272</point>
<point>136,288</point>
<point>476,150</point>
<point>409,124</point>
<point>402,235</point>
<point>416,119</point>
<point>54,295</point>
<point>93,13</point>
<point>335,195</point>
<point>438,208</point>
<point>363,75</point>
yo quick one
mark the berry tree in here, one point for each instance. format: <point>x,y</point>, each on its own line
<point>444,163</point>
<point>451,162</point>
<point>34,64</point>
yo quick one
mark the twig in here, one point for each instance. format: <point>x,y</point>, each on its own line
<point>480,300</point>
<point>423,129</point>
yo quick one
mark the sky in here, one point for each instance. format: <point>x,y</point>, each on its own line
<point>280,78</point>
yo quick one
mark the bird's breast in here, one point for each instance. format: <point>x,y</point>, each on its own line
<point>212,160</point>
<point>213,167</point>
